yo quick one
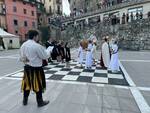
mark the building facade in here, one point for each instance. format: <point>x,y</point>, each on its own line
<point>20,17</point>
<point>41,12</point>
<point>84,5</point>
<point>53,7</point>
<point>92,5</point>
<point>2,15</point>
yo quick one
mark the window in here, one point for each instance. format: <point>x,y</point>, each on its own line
<point>24,3</point>
<point>15,22</point>
<point>16,31</point>
<point>33,24</point>
<point>32,12</point>
<point>25,23</point>
<point>58,9</point>
<point>10,41</point>
<point>49,20</point>
<point>14,9</point>
<point>25,11</point>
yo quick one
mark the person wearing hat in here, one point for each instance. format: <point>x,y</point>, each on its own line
<point>32,54</point>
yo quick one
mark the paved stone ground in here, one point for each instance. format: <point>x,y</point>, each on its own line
<point>69,98</point>
<point>73,97</point>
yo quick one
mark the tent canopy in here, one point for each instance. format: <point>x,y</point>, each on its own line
<point>4,34</point>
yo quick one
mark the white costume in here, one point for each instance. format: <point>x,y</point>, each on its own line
<point>80,55</point>
<point>106,54</point>
<point>94,51</point>
<point>89,56</point>
<point>114,65</point>
<point>32,53</point>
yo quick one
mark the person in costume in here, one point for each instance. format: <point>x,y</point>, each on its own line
<point>94,52</point>
<point>67,54</point>
<point>89,56</point>
<point>105,54</point>
<point>32,54</point>
<point>114,64</point>
<point>80,55</point>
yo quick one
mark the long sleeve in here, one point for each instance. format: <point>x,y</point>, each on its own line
<point>42,53</point>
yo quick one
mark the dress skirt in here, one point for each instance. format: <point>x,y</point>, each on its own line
<point>33,79</point>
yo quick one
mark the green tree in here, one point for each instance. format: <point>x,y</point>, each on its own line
<point>45,33</point>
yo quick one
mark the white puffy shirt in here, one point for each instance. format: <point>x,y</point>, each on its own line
<point>34,52</point>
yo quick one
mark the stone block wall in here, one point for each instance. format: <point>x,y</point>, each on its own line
<point>131,36</point>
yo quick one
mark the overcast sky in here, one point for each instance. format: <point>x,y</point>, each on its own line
<point>66,7</point>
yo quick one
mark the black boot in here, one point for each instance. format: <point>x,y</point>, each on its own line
<point>25,97</point>
<point>42,103</point>
<point>39,98</point>
<point>25,101</point>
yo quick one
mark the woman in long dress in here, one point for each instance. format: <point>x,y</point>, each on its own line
<point>89,56</point>
<point>114,64</point>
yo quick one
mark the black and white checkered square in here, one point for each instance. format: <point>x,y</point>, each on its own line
<point>58,71</point>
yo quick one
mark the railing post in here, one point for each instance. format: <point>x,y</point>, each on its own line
<point>87,21</point>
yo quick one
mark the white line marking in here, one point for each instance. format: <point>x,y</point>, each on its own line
<point>142,104</point>
<point>121,87</point>
<point>136,60</point>
<point>128,78</point>
<point>144,88</point>
<point>11,74</point>
<point>11,78</point>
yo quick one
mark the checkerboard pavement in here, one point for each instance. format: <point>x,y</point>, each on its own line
<point>58,71</point>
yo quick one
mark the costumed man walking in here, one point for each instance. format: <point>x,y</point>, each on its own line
<point>114,64</point>
<point>105,55</point>
<point>32,54</point>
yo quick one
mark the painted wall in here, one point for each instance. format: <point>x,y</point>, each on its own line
<point>19,15</point>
